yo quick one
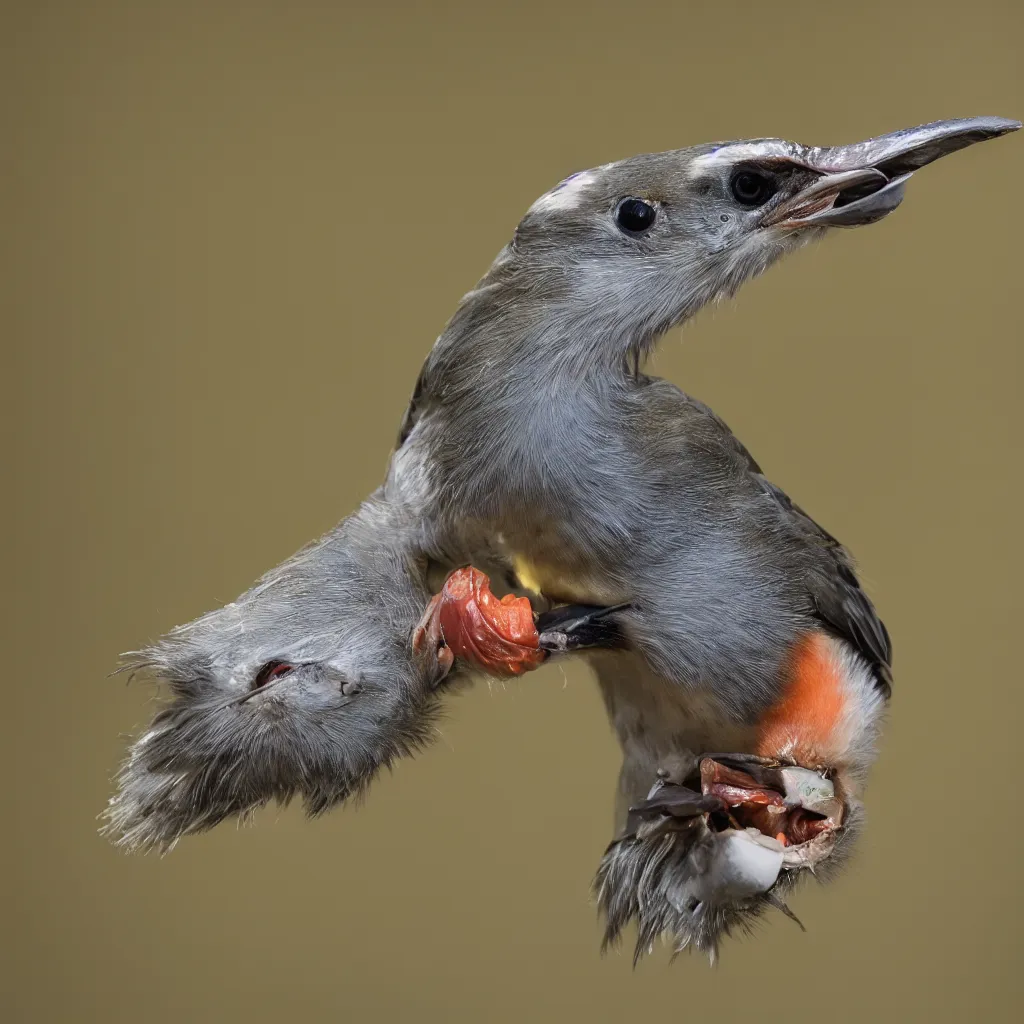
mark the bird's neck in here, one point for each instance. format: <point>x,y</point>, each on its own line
<point>522,336</point>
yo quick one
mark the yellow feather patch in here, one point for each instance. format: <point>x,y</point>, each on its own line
<point>527,574</point>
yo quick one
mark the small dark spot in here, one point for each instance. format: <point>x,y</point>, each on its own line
<point>351,689</point>
<point>724,218</point>
<point>635,215</point>
<point>752,188</point>
<point>718,821</point>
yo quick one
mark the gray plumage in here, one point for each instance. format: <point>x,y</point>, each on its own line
<point>229,739</point>
<point>535,443</point>
<point>532,425</point>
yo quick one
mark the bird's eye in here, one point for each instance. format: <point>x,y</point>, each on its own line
<point>752,189</point>
<point>270,671</point>
<point>635,215</point>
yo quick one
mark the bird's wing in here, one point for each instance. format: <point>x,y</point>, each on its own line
<point>838,598</point>
<point>835,593</point>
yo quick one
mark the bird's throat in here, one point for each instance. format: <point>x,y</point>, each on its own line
<point>555,584</point>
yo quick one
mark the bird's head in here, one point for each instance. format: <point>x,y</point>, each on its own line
<point>301,687</point>
<point>625,251</point>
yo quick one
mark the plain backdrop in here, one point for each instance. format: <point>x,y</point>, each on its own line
<point>231,232</point>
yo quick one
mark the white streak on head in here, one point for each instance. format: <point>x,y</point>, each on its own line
<point>564,196</point>
<point>740,151</point>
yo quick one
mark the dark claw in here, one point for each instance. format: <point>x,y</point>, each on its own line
<point>676,801</point>
<point>577,626</point>
<point>781,905</point>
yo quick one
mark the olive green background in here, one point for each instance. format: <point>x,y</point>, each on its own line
<point>231,233</point>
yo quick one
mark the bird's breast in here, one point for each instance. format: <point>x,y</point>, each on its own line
<point>563,580</point>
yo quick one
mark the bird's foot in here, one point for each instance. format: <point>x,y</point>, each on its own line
<point>467,621</point>
<point>578,626</point>
<point>789,803</point>
<point>428,641</point>
<point>707,852</point>
<point>501,636</point>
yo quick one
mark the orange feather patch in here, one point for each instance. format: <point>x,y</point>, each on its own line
<point>803,723</point>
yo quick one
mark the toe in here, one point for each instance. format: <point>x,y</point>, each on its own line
<point>427,633</point>
<point>445,660</point>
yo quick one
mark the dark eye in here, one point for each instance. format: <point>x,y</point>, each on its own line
<point>270,671</point>
<point>635,215</point>
<point>752,189</point>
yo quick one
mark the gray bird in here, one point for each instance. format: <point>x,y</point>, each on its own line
<point>532,430</point>
<point>536,448</point>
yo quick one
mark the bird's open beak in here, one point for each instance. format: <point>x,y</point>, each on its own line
<point>863,182</point>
